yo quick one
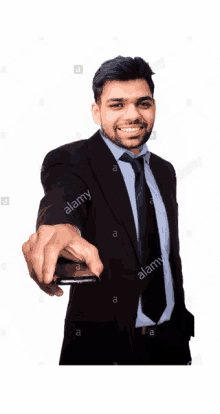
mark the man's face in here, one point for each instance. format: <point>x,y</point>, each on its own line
<point>129,112</point>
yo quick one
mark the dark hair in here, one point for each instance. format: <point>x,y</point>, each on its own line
<point>123,69</point>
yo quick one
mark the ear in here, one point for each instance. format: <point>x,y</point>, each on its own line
<point>96,113</point>
<point>154,108</point>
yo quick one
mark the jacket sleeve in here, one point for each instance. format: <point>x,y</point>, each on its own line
<point>67,198</point>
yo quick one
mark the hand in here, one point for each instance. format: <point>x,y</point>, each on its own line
<point>43,248</point>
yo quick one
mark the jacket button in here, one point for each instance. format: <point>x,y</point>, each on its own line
<point>134,316</point>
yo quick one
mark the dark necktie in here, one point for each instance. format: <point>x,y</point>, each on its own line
<point>153,296</point>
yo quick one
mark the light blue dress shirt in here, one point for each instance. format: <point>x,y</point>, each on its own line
<point>162,222</point>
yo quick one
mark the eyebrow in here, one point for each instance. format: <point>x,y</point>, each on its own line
<point>143,98</point>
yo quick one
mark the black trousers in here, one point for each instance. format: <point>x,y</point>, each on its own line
<point>162,346</point>
<point>89,343</point>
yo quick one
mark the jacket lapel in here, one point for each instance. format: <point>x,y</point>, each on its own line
<point>110,180</point>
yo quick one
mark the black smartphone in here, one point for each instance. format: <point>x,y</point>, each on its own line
<point>65,270</point>
<point>74,280</point>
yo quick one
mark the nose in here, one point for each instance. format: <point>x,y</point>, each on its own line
<point>132,113</point>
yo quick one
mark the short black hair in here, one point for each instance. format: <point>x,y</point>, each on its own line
<point>123,69</point>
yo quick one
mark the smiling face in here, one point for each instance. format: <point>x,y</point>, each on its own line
<point>126,104</point>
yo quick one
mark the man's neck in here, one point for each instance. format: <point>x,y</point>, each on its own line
<point>136,151</point>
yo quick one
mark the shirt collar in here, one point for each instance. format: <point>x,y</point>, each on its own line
<point>118,151</point>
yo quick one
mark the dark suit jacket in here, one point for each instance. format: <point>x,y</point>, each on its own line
<point>107,222</point>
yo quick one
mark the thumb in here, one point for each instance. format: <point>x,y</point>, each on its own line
<point>96,267</point>
<point>55,290</point>
<point>58,293</point>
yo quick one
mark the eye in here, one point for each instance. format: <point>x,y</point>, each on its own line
<point>142,103</point>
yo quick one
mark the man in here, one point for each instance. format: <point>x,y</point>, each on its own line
<point>111,203</point>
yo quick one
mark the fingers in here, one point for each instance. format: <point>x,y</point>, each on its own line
<point>67,254</point>
<point>51,290</point>
<point>27,249</point>
<point>62,236</point>
<point>49,247</point>
<point>44,247</point>
<point>33,239</point>
<point>92,260</point>
<point>83,251</point>
<point>45,234</point>
<point>51,254</point>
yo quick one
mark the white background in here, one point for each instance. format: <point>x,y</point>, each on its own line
<point>43,105</point>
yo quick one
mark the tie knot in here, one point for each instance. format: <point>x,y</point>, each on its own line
<point>136,163</point>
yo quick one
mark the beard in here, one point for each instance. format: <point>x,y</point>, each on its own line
<point>118,141</point>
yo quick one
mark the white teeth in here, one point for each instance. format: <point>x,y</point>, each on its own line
<point>129,129</point>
